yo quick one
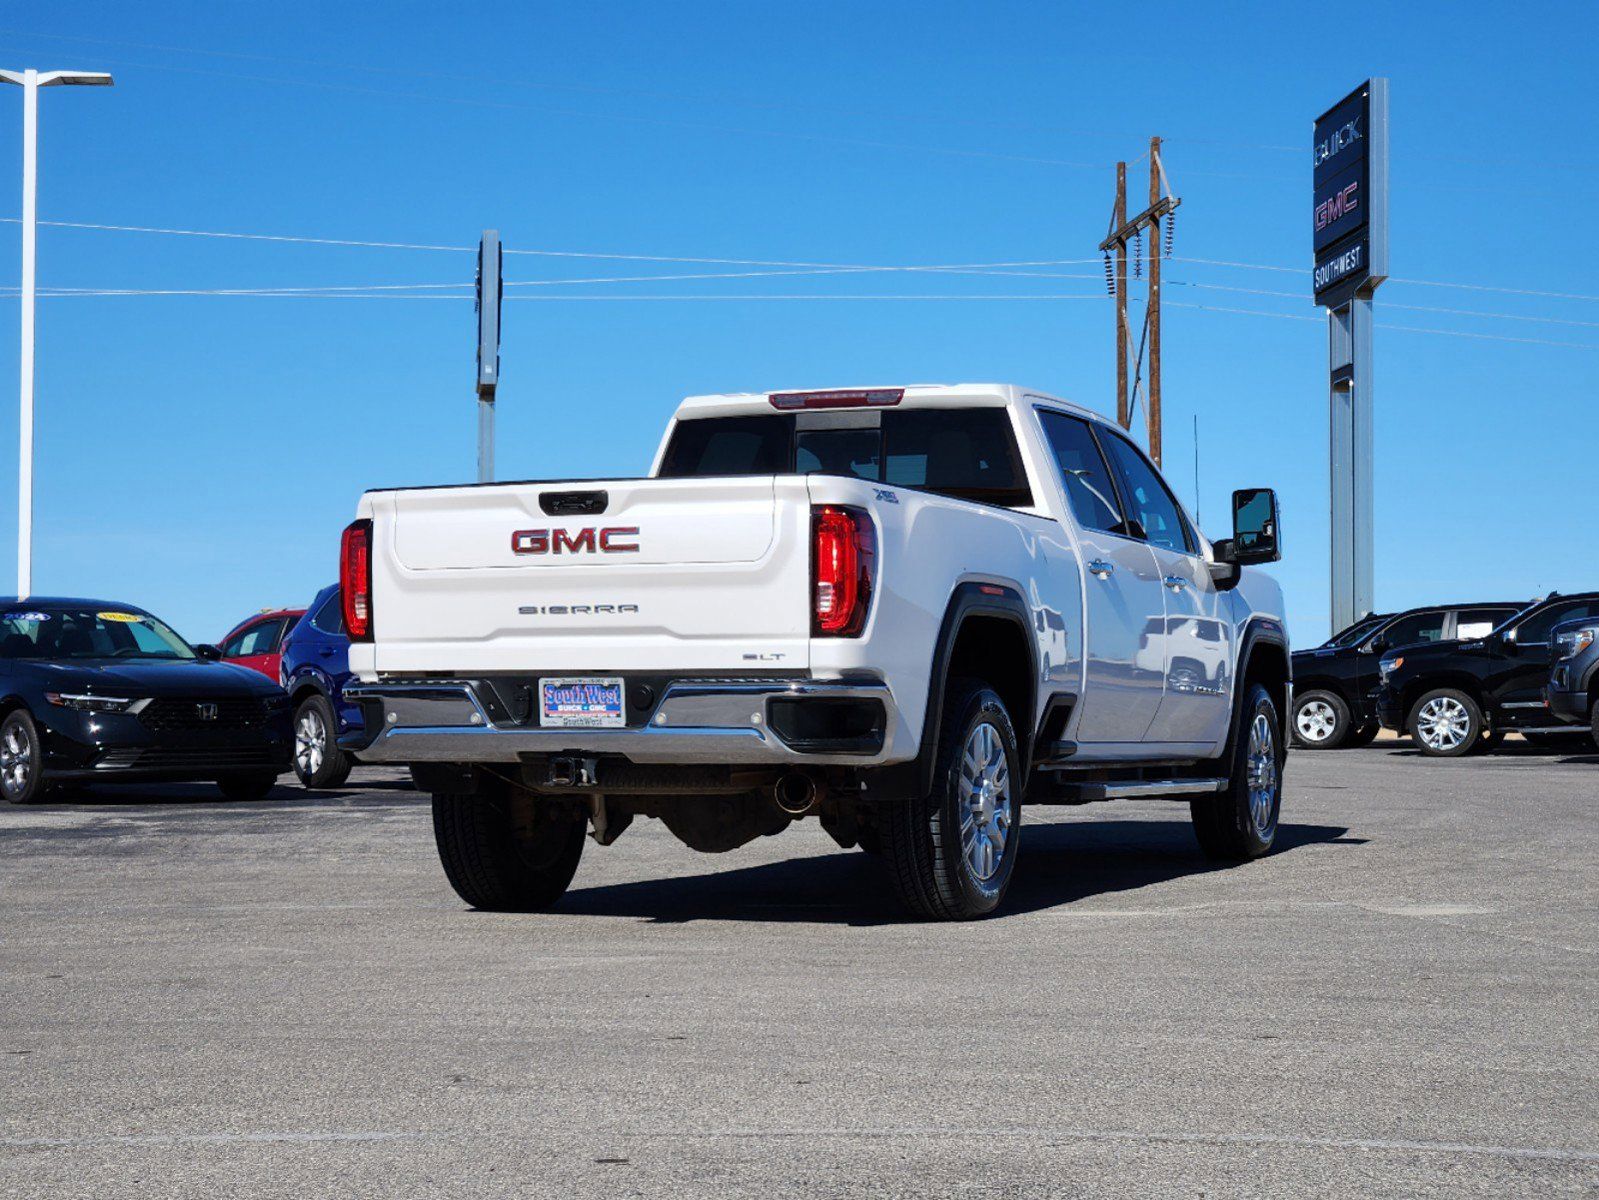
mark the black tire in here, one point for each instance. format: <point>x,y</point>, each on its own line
<point>21,759</point>
<point>318,761</point>
<point>1231,825</point>
<point>1321,720</point>
<point>921,837</point>
<point>503,853</point>
<point>247,785</point>
<point>1593,722</point>
<point>1446,723</point>
<point>1364,736</point>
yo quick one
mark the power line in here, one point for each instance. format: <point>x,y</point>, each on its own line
<point>1438,283</point>
<point>827,266</point>
<point>688,297</point>
<point>589,254</point>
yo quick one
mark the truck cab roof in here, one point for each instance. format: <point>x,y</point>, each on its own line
<point>915,395</point>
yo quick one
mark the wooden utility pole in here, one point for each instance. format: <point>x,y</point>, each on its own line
<point>1124,230</point>
<point>1154,300</point>
<point>1123,417</point>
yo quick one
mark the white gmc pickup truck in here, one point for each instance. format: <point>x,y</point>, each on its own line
<point>906,612</point>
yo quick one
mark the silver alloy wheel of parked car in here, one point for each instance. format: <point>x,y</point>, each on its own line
<point>310,741</point>
<point>1315,721</point>
<point>1262,774</point>
<point>16,761</point>
<point>985,796</point>
<point>1443,723</point>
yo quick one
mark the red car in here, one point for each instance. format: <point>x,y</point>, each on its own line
<point>257,642</point>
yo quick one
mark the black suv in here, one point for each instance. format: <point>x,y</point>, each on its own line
<point>1335,685</point>
<point>1458,696</point>
<point>1573,690</point>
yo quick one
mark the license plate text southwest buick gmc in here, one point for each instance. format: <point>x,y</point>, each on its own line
<point>906,612</point>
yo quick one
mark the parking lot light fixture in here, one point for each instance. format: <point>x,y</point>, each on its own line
<point>30,81</point>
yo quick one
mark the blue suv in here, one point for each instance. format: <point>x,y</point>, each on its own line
<point>314,670</point>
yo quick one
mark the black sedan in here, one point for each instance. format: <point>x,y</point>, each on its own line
<point>98,692</point>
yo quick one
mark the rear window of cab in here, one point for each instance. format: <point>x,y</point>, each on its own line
<point>968,454</point>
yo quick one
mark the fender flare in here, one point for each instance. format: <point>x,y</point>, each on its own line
<point>310,680</point>
<point>974,599</point>
<point>1259,631</point>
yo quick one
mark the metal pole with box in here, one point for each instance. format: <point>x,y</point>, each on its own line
<point>489,259</point>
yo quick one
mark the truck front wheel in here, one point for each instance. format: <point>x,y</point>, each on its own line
<point>952,852</point>
<point>504,853</point>
<point>1241,822</point>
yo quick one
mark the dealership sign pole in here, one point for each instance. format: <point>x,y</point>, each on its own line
<point>489,259</point>
<point>31,81</point>
<point>1349,219</point>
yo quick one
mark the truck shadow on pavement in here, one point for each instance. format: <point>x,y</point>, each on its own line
<point>206,795</point>
<point>1059,864</point>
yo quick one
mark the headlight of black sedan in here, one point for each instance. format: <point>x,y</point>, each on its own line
<point>82,702</point>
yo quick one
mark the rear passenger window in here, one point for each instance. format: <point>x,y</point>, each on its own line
<point>330,617</point>
<point>1083,472</point>
<point>1473,623</point>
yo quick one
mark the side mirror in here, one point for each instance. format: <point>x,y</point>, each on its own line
<point>1379,646</point>
<point>208,652</point>
<point>1255,526</point>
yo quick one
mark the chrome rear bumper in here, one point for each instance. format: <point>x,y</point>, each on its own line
<point>709,721</point>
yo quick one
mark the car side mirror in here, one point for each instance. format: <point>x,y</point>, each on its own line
<point>1378,646</point>
<point>1256,521</point>
<point>208,652</point>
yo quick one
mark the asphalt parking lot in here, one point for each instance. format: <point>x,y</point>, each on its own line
<point>284,999</point>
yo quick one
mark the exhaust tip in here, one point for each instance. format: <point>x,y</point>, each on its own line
<point>794,793</point>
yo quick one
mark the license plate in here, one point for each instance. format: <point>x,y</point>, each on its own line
<point>583,703</point>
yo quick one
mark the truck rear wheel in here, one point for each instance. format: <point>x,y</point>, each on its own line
<point>952,852</point>
<point>1241,822</point>
<point>503,853</point>
<point>1321,720</point>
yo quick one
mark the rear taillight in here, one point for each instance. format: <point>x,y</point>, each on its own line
<point>355,580</point>
<point>844,555</point>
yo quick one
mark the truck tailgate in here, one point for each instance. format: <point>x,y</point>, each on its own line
<point>691,575</point>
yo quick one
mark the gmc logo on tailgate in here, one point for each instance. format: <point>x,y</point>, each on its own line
<point>614,539</point>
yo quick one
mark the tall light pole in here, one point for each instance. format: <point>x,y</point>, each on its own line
<point>31,81</point>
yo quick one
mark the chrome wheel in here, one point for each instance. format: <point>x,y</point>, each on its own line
<point>16,761</point>
<point>1443,723</point>
<point>310,741</point>
<point>985,802</point>
<point>1262,775</point>
<point>1315,721</point>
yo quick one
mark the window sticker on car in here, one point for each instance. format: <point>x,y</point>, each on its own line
<point>1474,629</point>
<point>122,617</point>
<point>26,616</point>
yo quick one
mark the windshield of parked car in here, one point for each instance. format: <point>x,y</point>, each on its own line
<point>1353,633</point>
<point>78,633</point>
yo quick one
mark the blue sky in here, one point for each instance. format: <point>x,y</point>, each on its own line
<point>199,454</point>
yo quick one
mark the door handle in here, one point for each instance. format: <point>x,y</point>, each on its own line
<point>1176,582</point>
<point>1101,568</point>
